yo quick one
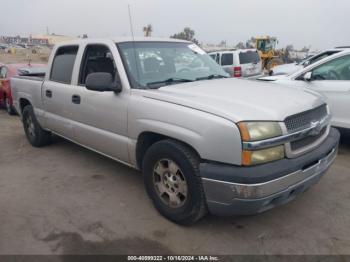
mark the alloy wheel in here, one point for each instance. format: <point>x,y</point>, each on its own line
<point>170,183</point>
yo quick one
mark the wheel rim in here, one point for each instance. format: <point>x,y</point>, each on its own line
<point>170,183</point>
<point>30,126</point>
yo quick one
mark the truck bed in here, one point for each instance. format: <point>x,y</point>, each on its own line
<point>28,87</point>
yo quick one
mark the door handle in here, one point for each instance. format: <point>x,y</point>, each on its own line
<point>76,99</point>
<point>48,93</point>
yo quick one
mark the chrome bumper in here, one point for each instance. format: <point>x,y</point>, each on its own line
<point>234,190</point>
<point>226,191</point>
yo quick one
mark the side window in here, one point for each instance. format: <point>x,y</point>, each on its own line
<point>218,58</point>
<point>226,59</point>
<point>337,69</point>
<point>63,63</point>
<point>3,72</point>
<point>320,57</point>
<point>97,59</point>
<point>215,57</point>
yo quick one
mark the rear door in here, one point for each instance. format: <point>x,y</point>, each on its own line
<point>57,90</point>
<point>250,63</point>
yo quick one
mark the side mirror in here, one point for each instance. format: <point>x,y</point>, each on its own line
<point>102,82</point>
<point>308,77</point>
<point>306,63</point>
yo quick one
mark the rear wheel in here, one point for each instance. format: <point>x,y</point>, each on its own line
<point>171,176</point>
<point>9,108</point>
<point>36,136</point>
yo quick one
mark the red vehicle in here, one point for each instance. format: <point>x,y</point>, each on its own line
<point>10,70</point>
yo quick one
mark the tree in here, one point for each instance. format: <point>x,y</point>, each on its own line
<point>147,30</point>
<point>286,55</point>
<point>289,48</point>
<point>223,43</point>
<point>306,49</point>
<point>186,34</point>
<point>250,43</point>
<point>240,45</point>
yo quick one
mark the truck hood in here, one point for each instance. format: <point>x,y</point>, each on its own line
<point>238,100</point>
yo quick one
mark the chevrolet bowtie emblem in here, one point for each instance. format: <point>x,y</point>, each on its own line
<point>316,128</point>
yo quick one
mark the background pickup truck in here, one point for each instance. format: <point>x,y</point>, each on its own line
<point>204,142</point>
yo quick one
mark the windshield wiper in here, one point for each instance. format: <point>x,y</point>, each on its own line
<point>213,76</point>
<point>168,82</point>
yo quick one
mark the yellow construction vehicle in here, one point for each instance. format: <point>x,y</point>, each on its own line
<point>270,56</point>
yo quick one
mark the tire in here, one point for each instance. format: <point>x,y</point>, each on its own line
<point>9,108</point>
<point>159,165</point>
<point>36,136</point>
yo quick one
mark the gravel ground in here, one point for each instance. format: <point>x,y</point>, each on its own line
<point>23,56</point>
<point>64,199</point>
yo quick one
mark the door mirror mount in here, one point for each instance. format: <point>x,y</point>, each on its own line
<point>103,82</point>
<point>308,77</point>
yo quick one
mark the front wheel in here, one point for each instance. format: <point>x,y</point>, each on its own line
<point>171,177</point>
<point>36,136</point>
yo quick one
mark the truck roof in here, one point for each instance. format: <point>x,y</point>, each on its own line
<point>121,40</point>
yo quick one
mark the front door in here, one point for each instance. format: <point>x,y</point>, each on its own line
<point>100,118</point>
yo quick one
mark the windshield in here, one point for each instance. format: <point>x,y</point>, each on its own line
<point>165,63</point>
<point>266,44</point>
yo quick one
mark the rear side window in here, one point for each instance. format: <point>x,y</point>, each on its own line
<point>226,59</point>
<point>249,57</point>
<point>63,63</point>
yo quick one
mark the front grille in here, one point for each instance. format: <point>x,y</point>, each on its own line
<point>303,120</point>
<point>304,142</point>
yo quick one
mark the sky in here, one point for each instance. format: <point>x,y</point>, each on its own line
<point>320,24</point>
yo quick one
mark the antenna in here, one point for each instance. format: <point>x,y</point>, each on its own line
<point>131,26</point>
<point>133,42</point>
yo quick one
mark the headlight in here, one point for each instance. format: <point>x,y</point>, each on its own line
<point>253,131</point>
<point>256,131</point>
<point>250,158</point>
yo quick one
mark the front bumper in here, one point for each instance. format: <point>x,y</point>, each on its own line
<point>233,190</point>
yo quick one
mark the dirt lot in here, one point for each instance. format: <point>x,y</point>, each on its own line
<point>24,56</point>
<point>64,199</point>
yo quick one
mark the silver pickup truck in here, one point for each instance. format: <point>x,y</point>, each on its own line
<point>203,141</point>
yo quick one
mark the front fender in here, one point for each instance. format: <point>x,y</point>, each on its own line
<point>214,138</point>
